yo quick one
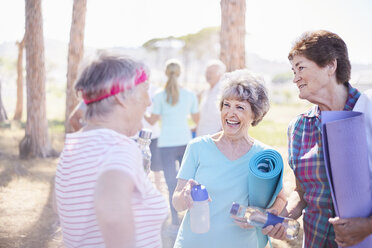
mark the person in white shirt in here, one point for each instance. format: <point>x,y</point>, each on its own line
<point>210,121</point>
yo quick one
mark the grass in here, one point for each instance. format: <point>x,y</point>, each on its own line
<point>56,126</point>
<point>270,133</point>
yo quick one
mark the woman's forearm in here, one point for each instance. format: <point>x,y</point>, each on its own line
<point>296,203</point>
<point>152,119</point>
<point>196,117</point>
<point>181,199</point>
<point>279,203</point>
<point>295,209</point>
<point>178,201</point>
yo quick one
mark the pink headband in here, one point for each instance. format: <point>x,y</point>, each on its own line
<point>116,88</point>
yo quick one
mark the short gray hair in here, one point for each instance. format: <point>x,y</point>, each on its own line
<point>219,64</point>
<point>101,74</point>
<point>243,85</point>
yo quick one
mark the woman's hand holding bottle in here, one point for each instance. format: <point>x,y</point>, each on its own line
<point>186,193</point>
<point>275,226</point>
<point>275,231</point>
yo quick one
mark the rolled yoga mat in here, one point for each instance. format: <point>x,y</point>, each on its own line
<point>346,159</point>
<point>265,183</point>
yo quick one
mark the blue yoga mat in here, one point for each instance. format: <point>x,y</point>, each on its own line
<point>346,159</point>
<point>265,183</point>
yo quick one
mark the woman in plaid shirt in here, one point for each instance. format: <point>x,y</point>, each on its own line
<point>322,70</point>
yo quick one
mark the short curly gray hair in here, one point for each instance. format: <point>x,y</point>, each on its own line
<point>243,85</point>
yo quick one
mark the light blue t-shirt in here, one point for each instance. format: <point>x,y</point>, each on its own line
<point>226,182</point>
<point>174,124</point>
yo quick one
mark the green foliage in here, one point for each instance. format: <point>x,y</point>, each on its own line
<point>7,65</point>
<point>199,43</point>
<point>151,44</point>
<point>282,77</point>
<point>192,40</point>
<point>202,43</point>
<point>56,126</point>
<point>271,133</point>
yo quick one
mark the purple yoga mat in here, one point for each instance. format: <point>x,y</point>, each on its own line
<point>346,160</point>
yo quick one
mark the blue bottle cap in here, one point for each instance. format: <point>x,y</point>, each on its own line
<point>199,193</point>
<point>234,208</point>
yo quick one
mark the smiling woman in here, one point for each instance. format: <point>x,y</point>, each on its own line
<point>322,70</point>
<point>236,116</point>
<point>221,159</point>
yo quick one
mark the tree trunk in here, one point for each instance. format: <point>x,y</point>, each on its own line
<point>232,36</point>
<point>3,115</point>
<point>75,54</point>
<point>36,141</point>
<point>19,104</point>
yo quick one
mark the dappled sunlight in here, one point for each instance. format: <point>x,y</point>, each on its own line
<point>21,204</point>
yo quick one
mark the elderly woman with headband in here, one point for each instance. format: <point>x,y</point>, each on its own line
<point>103,195</point>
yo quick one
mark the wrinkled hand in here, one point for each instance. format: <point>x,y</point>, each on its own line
<point>186,193</point>
<point>241,222</point>
<point>351,231</point>
<point>277,231</point>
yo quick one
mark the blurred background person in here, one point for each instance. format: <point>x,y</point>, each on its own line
<point>172,106</point>
<point>219,162</point>
<point>103,195</point>
<point>322,70</point>
<point>156,164</point>
<point>210,121</point>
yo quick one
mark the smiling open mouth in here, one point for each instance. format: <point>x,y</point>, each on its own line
<point>234,123</point>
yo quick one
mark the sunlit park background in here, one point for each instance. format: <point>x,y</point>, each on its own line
<point>154,31</point>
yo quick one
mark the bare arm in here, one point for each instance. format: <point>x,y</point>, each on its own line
<point>195,117</point>
<point>292,210</point>
<point>279,203</point>
<point>181,199</point>
<point>277,207</point>
<point>296,203</point>
<point>152,119</point>
<point>112,203</point>
<point>75,118</point>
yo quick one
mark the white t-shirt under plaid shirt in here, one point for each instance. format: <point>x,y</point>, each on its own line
<point>84,157</point>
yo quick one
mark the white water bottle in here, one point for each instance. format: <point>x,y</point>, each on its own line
<point>259,217</point>
<point>143,141</point>
<point>199,213</point>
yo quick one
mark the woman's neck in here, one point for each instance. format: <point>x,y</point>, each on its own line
<point>235,141</point>
<point>108,122</point>
<point>233,147</point>
<point>334,99</point>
